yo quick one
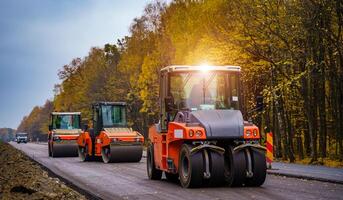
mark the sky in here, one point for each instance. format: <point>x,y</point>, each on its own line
<point>38,37</point>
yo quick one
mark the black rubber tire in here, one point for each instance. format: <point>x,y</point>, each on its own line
<point>259,168</point>
<point>172,177</point>
<point>191,167</point>
<point>228,166</point>
<point>235,167</point>
<point>50,154</point>
<point>153,173</point>
<point>83,155</point>
<point>216,169</point>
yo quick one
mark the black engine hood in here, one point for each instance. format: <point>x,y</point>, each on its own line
<point>220,124</point>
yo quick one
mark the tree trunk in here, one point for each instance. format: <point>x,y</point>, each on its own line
<point>307,142</point>
<point>283,123</point>
<point>277,136</point>
<point>310,110</point>
<point>300,148</point>
<point>322,115</point>
<point>289,131</point>
<point>313,119</point>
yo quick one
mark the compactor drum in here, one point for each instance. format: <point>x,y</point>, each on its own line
<point>110,138</point>
<point>64,130</point>
<point>201,138</point>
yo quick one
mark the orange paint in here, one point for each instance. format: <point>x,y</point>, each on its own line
<point>105,139</point>
<point>252,129</point>
<point>168,145</point>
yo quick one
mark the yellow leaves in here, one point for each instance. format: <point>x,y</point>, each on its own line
<point>148,83</point>
<point>37,121</point>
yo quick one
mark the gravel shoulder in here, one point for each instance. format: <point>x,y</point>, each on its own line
<point>22,178</point>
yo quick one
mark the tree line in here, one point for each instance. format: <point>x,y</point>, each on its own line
<point>7,134</point>
<point>290,52</point>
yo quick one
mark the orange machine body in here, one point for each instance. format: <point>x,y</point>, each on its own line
<point>64,129</point>
<point>167,145</point>
<point>201,136</point>
<point>68,137</point>
<point>106,138</point>
<point>110,137</point>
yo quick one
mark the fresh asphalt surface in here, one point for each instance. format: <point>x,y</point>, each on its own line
<point>130,181</point>
<point>312,172</point>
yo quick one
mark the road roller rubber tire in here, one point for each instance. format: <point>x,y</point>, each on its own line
<point>216,169</point>
<point>259,168</point>
<point>50,154</point>
<point>153,173</point>
<point>83,155</point>
<point>172,177</point>
<point>228,166</point>
<point>235,167</point>
<point>191,167</point>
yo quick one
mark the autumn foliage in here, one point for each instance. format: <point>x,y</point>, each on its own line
<point>291,53</point>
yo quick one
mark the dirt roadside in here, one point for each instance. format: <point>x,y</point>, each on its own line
<point>21,178</point>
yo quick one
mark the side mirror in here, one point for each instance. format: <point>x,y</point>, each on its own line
<point>259,103</point>
<point>50,127</point>
<point>169,102</point>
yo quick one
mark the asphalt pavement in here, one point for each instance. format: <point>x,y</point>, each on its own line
<point>310,172</point>
<point>130,181</point>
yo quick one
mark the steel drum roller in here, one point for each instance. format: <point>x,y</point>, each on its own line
<point>65,150</point>
<point>122,153</point>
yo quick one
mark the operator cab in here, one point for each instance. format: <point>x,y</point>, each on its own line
<point>108,115</point>
<point>65,120</point>
<point>186,89</point>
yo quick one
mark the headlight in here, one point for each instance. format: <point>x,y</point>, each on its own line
<point>56,138</point>
<point>248,133</point>
<point>255,133</point>
<point>191,133</point>
<point>115,139</point>
<point>198,134</point>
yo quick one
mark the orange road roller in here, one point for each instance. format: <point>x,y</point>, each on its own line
<point>64,129</point>
<point>110,138</point>
<point>201,138</point>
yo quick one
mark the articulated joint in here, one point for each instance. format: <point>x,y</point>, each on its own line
<point>208,146</point>
<point>243,146</point>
